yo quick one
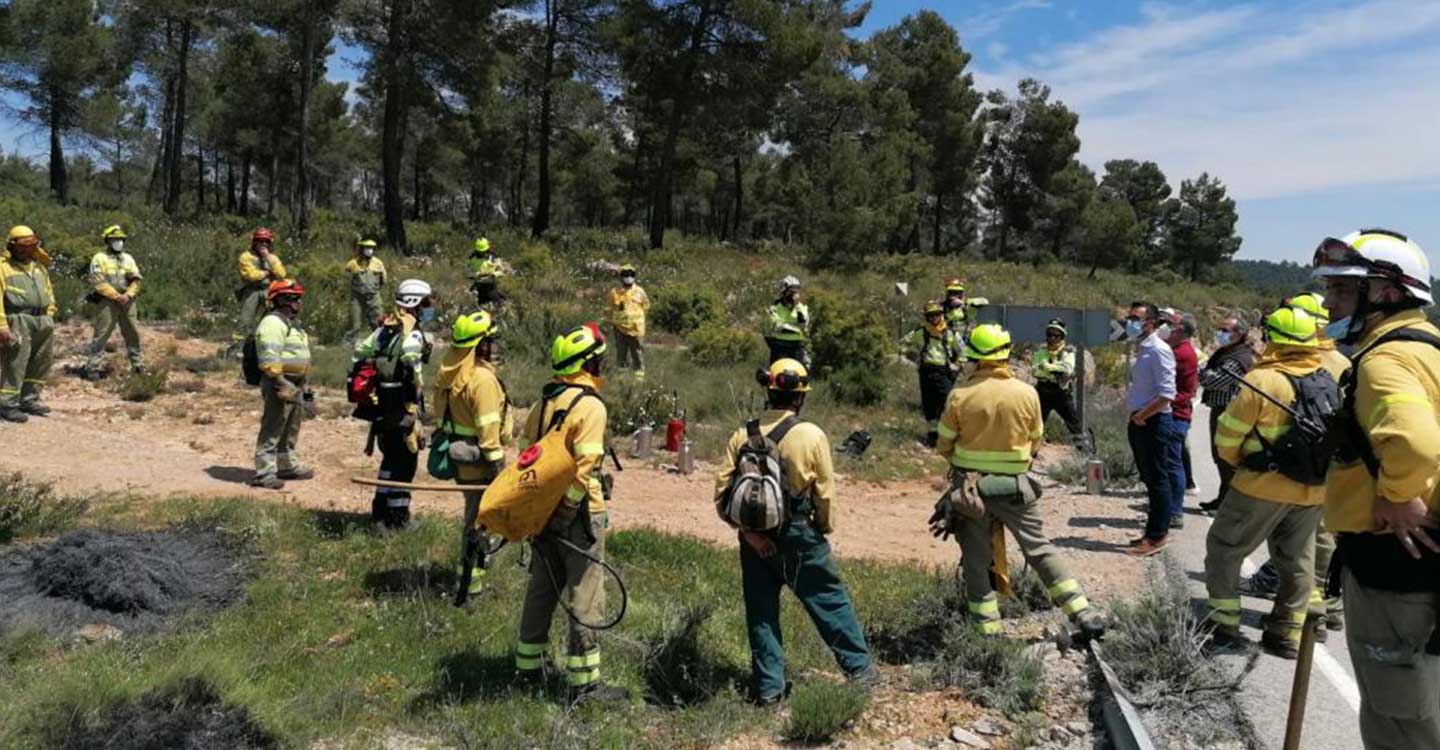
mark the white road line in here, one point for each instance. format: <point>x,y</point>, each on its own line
<point>1329,666</point>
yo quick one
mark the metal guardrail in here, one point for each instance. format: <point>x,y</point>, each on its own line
<point>1122,720</point>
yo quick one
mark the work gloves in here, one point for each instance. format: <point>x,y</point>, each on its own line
<point>959,504</point>
<point>285,390</point>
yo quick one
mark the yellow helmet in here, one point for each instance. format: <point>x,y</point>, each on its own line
<point>933,308</point>
<point>21,232</point>
<point>470,330</point>
<point>988,342</point>
<point>785,375</point>
<point>1313,303</point>
<point>954,284</point>
<point>1292,326</point>
<point>367,243</point>
<point>572,349</point>
<point>482,246</point>
<point>113,232</point>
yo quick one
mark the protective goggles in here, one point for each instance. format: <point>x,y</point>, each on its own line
<point>992,350</point>
<point>1335,253</point>
<point>787,380</point>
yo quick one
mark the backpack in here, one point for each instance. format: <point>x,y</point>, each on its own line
<point>382,386</point>
<point>755,499</point>
<point>250,361</point>
<point>1303,453</point>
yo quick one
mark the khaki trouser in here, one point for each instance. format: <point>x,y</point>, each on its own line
<point>108,315</point>
<point>552,566</point>
<point>252,306</point>
<point>1241,524</point>
<point>629,352</point>
<point>365,312</point>
<point>276,447</point>
<point>1324,551</point>
<point>1386,632</point>
<point>1021,516</point>
<point>25,364</point>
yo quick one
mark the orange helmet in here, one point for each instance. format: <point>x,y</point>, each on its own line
<point>262,235</point>
<point>284,288</point>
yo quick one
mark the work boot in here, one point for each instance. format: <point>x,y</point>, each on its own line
<point>1211,506</point>
<point>1224,638</point>
<point>36,408</point>
<point>267,482</point>
<point>1148,547</point>
<point>1335,620</point>
<point>931,438</point>
<point>1280,645</point>
<point>599,691</point>
<point>1263,584</point>
<point>1090,624</point>
<point>297,472</point>
<point>866,679</point>
<point>12,414</point>
<point>1177,522</point>
<point>766,701</point>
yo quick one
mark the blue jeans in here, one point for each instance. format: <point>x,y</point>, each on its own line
<point>1157,464</point>
<point>1180,430</point>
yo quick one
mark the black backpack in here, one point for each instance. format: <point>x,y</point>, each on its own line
<point>250,362</point>
<point>1303,453</point>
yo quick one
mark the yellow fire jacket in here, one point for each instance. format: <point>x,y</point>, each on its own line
<point>282,347</point>
<point>1249,415</point>
<point>109,273</point>
<point>367,276</point>
<point>627,310</point>
<point>1397,403</point>
<point>255,271</point>
<point>584,435</point>
<point>805,458</point>
<point>991,423</point>
<point>24,287</point>
<point>471,402</point>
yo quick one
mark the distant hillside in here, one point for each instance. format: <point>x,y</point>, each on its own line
<point>1271,278</point>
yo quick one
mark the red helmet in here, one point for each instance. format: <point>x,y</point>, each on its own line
<point>284,288</point>
<point>262,235</point>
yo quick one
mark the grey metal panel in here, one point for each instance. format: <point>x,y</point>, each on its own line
<point>1027,323</point>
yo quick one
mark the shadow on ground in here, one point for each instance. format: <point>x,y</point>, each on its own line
<point>232,474</point>
<point>432,578</point>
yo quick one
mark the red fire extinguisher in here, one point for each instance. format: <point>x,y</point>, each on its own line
<point>675,428</point>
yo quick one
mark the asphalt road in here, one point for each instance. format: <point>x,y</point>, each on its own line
<point>1331,717</point>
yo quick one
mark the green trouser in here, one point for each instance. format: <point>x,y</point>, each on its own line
<point>1386,632</point>
<point>483,473</point>
<point>365,313</point>
<point>801,561</point>
<point>25,363</point>
<point>629,352</point>
<point>1324,551</point>
<point>1241,524</point>
<point>275,449</point>
<point>1020,514</point>
<point>252,306</point>
<point>108,315</point>
<point>555,568</point>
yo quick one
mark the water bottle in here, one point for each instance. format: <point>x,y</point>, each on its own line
<point>1094,476</point>
<point>644,441</point>
<point>685,460</point>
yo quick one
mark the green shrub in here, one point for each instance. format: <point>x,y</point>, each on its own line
<point>681,310</point>
<point>715,344</point>
<point>847,332</point>
<point>34,509</point>
<point>997,672</point>
<point>859,386</point>
<point>820,710</point>
<point>144,386</point>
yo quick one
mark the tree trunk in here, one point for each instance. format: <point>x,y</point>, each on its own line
<point>155,190</point>
<point>245,182</point>
<point>200,182</point>
<point>274,181</point>
<point>679,108</point>
<point>302,148</point>
<point>542,198</point>
<point>739,196</point>
<point>230,185</point>
<point>59,179</point>
<point>518,210</point>
<point>397,108</point>
<point>119,173</point>
<point>939,222</point>
<point>177,138</point>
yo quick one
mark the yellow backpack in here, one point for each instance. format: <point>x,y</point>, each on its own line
<point>520,501</point>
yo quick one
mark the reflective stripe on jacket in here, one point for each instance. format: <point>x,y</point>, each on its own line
<point>786,323</point>
<point>282,346</point>
<point>255,271</point>
<point>25,287</point>
<point>627,310</point>
<point>109,273</point>
<point>584,435</point>
<point>367,276</point>
<point>1054,367</point>
<point>472,403</point>
<point>991,423</point>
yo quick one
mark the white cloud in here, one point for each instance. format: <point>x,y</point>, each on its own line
<point>989,21</point>
<point>1275,100</point>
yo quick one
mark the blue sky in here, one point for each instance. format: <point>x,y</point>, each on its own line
<point>1320,115</point>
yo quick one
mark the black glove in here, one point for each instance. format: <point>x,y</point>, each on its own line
<point>939,520</point>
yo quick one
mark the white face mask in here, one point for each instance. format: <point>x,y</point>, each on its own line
<point>117,246</point>
<point>1163,331</point>
<point>368,252</point>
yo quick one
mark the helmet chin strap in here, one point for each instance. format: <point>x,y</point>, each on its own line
<point>1365,307</point>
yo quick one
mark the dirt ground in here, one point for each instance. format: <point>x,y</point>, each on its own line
<point>197,440</point>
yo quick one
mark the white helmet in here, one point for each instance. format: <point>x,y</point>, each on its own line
<point>789,282</point>
<point>1376,254</point>
<point>411,293</point>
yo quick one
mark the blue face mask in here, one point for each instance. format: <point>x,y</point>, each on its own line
<point>1224,338</point>
<point>1133,329</point>
<point>1338,329</point>
<point>427,314</point>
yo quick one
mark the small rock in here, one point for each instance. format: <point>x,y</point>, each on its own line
<point>1059,734</point>
<point>967,738</point>
<point>990,727</point>
<point>1078,728</point>
<point>99,633</point>
<point>905,744</point>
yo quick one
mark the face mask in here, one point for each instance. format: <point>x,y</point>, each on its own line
<point>1133,329</point>
<point>1338,329</point>
<point>1224,338</point>
<point>627,280</point>
<point>427,314</point>
<point>117,246</point>
<point>1164,331</point>
<point>368,252</point>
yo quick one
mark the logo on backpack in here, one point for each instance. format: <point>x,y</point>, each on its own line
<point>1303,452</point>
<point>756,500</point>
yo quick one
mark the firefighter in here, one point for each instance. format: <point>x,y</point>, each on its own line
<point>1054,368</point>
<point>283,350</point>
<point>400,350</point>
<point>1264,504</point>
<point>1380,497</point>
<point>989,433</point>
<point>577,358</point>
<point>959,309</point>
<point>936,350</point>
<point>787,326</point>
<point>27,325</point>
<point>797,555</point>
<point>258,268</point>
<point>628,305</point>
<point>474,411</point>
<point>367,281</point>
<point>485,272</point>
<point>115,281</point>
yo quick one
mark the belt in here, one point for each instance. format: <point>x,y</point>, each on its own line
<point>36,311</point>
